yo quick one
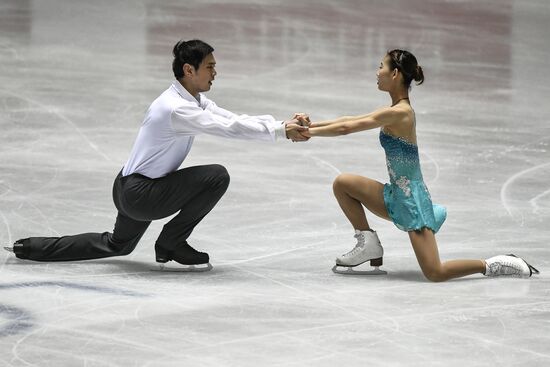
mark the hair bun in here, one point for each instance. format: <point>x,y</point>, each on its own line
<point>407,64</point>
<point>419,75</point>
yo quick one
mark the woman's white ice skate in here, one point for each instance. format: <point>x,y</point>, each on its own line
<point>368,248</point>
<point>509,266</point>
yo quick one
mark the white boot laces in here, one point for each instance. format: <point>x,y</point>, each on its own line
<point>504,268</point>
<point>358,246</point>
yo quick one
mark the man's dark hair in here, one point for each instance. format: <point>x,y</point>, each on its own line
<point>189,52</point>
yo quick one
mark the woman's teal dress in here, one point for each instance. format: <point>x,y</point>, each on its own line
<point>406,197</point>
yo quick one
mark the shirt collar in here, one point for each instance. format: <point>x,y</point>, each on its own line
<point>184,93</point>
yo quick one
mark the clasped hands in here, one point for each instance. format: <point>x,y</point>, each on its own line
<point>296,128</point>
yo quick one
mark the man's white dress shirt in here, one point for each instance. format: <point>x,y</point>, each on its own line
<point>175,117</point>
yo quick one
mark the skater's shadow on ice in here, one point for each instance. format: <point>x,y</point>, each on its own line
<point>417,276</point>
<point>91,267</point>
<point>406,275</point>
<point>130,266</point>
<point>136,267</point>
<point>148,268</point>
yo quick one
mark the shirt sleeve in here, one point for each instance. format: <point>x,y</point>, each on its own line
<point>193,120</point>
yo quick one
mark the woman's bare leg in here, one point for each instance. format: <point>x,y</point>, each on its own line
<point>352,192</point>
<point>425,248</point>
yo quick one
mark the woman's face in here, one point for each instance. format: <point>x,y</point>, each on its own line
<point>384,76</point>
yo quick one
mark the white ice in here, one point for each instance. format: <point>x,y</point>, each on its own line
<point>75,80</point>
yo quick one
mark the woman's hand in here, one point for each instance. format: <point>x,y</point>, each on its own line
<point>302,118</point>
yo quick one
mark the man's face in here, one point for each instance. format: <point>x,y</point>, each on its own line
<point>202,77</point>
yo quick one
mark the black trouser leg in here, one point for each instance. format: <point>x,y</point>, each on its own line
<point>127,234</point>
<point>86,246</point>
<point>192,191</point>
<point>210,184</point>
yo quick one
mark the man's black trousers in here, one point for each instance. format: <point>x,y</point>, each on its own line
<point>192,191</point>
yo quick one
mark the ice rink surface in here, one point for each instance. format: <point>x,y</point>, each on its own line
<point>75,81</point>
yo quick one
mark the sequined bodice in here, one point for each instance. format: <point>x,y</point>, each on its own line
<point>402,161</point>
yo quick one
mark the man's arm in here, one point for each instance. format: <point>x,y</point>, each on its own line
<point>214,120</point>
<point>286,129</point>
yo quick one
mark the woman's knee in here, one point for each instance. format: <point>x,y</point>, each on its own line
<point>341,183</point>
<point>435,274</point>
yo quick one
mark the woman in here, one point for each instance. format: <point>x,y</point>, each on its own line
<point>405,200</point>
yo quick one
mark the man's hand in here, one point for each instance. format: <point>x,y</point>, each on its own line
<point>293,129</point>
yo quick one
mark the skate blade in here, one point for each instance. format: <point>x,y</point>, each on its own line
<point>532,269</point>
<point>349,271</point>
<point>185,268</point>
<point>9,249</point>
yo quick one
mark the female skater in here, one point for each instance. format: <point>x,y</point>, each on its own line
<point>405,200</point>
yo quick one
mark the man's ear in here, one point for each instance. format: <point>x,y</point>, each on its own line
<point>188,70</point>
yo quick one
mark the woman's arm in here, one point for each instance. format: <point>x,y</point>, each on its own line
<point>329,122</point>
<point>352,124</point>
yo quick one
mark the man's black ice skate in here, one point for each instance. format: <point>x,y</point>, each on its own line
<point>184,254</point>
<point>17,249</point>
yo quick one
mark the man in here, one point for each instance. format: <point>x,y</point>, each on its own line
<point>150,186</point>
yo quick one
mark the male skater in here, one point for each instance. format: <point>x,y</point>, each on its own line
<point>150,186</point>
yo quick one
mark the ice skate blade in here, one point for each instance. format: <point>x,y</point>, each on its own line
<point>185,268</point>
<point>349,271</point>
<point>9,249</point>
<point>533,269</point>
